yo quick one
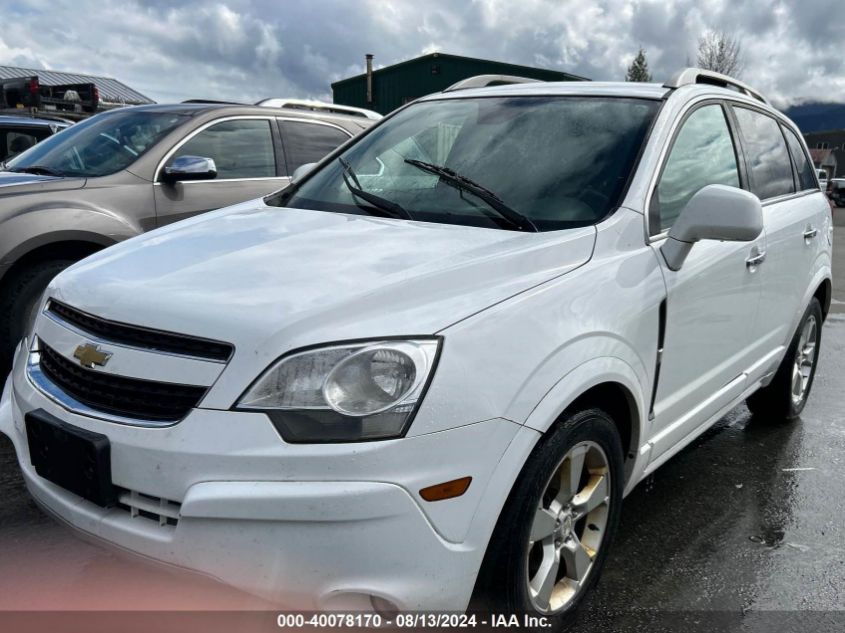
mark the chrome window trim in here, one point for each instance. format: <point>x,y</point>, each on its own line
<point>202,128</point>
<point>314,122</point>
<point>206,182</point>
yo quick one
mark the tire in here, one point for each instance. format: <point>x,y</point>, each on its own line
<point>778,402</point>
<point>19,298</point>
<point>513,560</point>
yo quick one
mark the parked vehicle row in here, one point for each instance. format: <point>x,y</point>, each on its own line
<point>430,368</point>
<point>126,171</point>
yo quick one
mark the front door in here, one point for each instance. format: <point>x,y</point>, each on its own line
<point>712,301</point>
<point>248,162</point>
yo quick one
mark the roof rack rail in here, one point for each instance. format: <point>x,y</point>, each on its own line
<point>318,106</point>
<point>482,81</point>
<point>689,76</point>
<point>213,101</point>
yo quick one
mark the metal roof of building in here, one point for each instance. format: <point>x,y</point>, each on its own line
<point>111,90</point>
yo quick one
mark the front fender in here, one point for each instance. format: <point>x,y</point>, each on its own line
<point>25,232</point>
<point>592,373</point>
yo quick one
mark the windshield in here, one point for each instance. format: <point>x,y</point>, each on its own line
<point>99,146</point>
<point>559,162</point>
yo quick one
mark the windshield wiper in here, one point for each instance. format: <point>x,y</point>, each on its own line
<point>40,170</point>
<point>460,182</point>
<point>392,209</point>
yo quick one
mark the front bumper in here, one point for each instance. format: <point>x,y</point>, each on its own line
<point>306,526</point>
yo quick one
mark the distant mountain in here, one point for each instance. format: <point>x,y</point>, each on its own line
<point>817,117</point>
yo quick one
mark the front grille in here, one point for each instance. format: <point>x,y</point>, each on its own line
<point>144,338</point>
<point>118,395</point>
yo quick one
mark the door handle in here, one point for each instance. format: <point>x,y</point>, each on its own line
<point>756,260</point>
<point>810,232</point>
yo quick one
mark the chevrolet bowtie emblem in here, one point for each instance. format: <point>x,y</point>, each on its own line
<point>89,355</point>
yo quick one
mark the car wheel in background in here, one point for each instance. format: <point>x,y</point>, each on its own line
<point>19,302</point>
<point>551,541</point>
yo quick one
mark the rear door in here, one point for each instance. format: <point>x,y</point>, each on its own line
<point>250,164</point>
<point>309,141</point>
<point>794,212</point>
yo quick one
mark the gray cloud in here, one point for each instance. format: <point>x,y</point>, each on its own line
<point>248,49</point>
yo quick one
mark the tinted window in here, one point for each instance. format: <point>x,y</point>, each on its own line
<point>561,161</point>
<point>806,179</point>
<point>101,145</point>
<point>702,154</point>
<point>309,142</point>
<point>241,148</point>
<point>766,154</point>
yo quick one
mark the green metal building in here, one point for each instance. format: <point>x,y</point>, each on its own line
<point>396,85</point>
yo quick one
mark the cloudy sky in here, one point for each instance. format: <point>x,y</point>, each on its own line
<point>248,49</point>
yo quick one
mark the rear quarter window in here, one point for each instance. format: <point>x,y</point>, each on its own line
<point>806,178</point>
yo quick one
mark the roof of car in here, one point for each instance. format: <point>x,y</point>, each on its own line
<point>547,88</point>
<point>28,120</point>
<point>199,107</point>
<point>593,88</point>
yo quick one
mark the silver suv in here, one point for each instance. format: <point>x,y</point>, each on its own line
<point>127,171</point>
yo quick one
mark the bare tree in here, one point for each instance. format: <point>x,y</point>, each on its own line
<point>720,52</point>
<point>638,70</point>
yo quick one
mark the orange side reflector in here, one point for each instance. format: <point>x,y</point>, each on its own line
<point>447,490</point>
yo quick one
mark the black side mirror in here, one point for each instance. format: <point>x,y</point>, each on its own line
<point>190,168</point>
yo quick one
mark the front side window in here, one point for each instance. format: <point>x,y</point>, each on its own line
<point>766,154</point>
<point>99,146</point>
<point>309,142</point>
<point>702,154</point>
<point>806,179</point>
<point>240,148</point>
<point>559,162</point>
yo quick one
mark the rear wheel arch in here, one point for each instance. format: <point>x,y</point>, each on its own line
<point>824,293</point>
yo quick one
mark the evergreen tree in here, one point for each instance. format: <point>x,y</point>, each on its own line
<point>638,70</point>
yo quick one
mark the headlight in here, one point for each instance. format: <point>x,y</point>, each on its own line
<point>345,393</point>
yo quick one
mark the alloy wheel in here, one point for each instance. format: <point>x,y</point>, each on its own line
<point>805,359</point>
<point>568,527</point>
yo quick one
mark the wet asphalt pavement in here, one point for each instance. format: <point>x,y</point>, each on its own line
<point>742,531</point>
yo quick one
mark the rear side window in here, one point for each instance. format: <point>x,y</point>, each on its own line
<point>806,178</point>
<point>309,142</point>
<point>702,154</point>
<point>240,148</point>
<point>766,154</point>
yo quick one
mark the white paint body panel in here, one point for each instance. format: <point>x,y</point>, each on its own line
<point>529,322</point>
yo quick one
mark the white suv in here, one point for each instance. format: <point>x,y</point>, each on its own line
<point>433,366</point>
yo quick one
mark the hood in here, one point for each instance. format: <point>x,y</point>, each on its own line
<point>270,279</point>
<point>14,183</point>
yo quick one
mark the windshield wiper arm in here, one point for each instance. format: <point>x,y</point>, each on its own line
<point>451,177</point>
<point>389,207</point>
<point>37,169</point>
